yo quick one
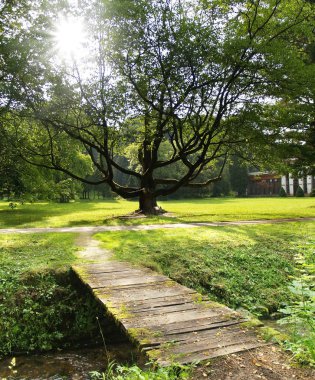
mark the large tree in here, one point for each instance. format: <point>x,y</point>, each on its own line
<point>185,83</point>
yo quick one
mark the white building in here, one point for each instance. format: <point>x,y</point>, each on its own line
<point>270,183</point>
<point>290,184</point>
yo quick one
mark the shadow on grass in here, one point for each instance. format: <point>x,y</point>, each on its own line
<point>242,266</point>
<point>37,213</point>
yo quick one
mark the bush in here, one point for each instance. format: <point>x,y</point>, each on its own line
<point>299,315</point>
<point>282,192</point>
<point>117,372</point>
<point>43,311</point>
<point>312,194</point>
<point>299,192</point>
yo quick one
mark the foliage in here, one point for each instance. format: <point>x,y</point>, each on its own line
<point>300,315</point>
<point>238,176</point>
<point>312,193</point>
<point>282,193</point>
<point>222,187</point>
<point>248,266</point>
<point>40,309</point>
<point>299,192</point>
<point>12,205</point>
<point>65,190</point>
<point>117,372</point>
<point>197,76</point>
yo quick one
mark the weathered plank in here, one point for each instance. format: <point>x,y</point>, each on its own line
<point>126,281</point>
<point>146,292</point>
<point>168,321</point>
<point>168,358</point>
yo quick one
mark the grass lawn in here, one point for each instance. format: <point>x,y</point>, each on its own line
<point>20,253</point>
<point>230,209</point>
<point>245,266</point>
<point>44,214</point>
<point>39,307</point>
<point>105,212</point>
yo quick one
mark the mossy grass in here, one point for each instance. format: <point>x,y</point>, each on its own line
<point>82,213</point>
<point>241,266</point>
<point>142,335</point>
<point>271,334</point>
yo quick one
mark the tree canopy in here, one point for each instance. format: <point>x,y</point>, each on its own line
<point>162,91</point>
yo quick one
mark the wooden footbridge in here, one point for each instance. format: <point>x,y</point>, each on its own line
<point>168,321</point>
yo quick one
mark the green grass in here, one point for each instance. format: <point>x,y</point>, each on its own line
<point>39,307</point>
<point>20,253</point>
<point>106,212</point>
<point>230,209</point>
<point>44,214</point>
<point>245,266</point>
<point>133,372</point>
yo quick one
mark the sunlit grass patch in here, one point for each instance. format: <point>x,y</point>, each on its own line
<point>43,214</point>
<point>108,212</point>
<point>230,209</point>
<point>21,252</point>
<point>242,266</point>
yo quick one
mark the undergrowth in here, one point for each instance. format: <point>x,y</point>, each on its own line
<point>300,314</point>
<point>39,308</point>
<point>118,372</point>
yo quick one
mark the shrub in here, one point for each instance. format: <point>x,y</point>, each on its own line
<point>12,205</point>
<point>299,315</point>
<point>43,311</point>
<point>117,372</point>
<point>312,194</point>
<point>282,192</point>
<point>299,192</point>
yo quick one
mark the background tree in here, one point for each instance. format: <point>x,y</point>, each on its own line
<point>238,176</point>
<point>196,77</point>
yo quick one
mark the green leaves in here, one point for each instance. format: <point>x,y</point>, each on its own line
<point>299,315</point>
<point>202,77</point>
<point>39,309</point>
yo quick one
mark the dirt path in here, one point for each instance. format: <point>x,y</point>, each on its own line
<point>143,227</point>
<point>265,363</point>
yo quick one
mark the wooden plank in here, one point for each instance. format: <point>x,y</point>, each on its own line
<point>208,334</point>
<point>107,267</point>
<point>149,304</point>
<point>152,303</point>
<point>199,321</point>
<point>197,327</point>
<point>178,310</point>
<point>160,310</point>
<point>180,319</point>
<point>209,354</point>
<point>123,274</point>
<point>175,304</point>
<point>192,346</point>
<point>112,272</point>
<point>119,283</point>
<point>145,293</point>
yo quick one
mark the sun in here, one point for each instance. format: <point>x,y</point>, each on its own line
<point>70,37</point>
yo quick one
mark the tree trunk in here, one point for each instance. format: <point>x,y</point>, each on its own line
<point>148,205</point>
